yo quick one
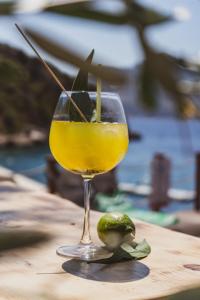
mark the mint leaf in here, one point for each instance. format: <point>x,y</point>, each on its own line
<point>80,96</point>
<point>128,252</point>
<point>140,251</point>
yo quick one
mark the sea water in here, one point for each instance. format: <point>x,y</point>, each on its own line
<point>178,140</point>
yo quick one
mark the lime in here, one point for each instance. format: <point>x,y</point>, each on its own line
<point>115,228</point>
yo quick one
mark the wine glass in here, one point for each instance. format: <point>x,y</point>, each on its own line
<point>90,139</point>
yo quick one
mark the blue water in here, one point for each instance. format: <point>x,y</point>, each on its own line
<point>29,161</point>
<point>158,135</point>
<point>178,140</point>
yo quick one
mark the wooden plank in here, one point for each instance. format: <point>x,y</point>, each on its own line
<point>38,272</point>
<point>189,222</point>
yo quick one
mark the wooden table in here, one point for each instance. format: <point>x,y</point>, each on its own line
<point>37,271</point>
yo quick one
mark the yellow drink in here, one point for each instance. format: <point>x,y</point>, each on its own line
<point>88,148</point>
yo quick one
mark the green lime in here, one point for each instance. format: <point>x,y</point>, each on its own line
<point>115,228</point>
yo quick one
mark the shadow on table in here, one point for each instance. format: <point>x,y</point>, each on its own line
<point>117,272</point>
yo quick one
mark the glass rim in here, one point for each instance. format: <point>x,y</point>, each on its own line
<point>92,93</point>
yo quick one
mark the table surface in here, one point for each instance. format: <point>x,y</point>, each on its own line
<point>174,263</point>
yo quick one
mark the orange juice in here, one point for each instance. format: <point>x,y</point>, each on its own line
<point>88,148</point>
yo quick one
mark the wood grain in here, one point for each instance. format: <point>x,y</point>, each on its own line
<point>37,272</point>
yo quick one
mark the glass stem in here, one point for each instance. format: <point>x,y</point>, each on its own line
<point>86,238</point>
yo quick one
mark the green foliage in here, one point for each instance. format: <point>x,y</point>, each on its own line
<point>133,13</point>
<point>147,87</point>
<point>10,71</point>
<point>67,55</point>
<point>84,10</point>
<point>159,69</point>
<point>27,95</point>
<point>141,16</point>
<point>7,7</point>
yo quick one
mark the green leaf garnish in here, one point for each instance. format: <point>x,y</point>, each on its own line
<point>81,81</point>
<point>141,250</point>
<point>128,252</point>
<point>80,95</point>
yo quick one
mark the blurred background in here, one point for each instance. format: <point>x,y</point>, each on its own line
<point>152,51</point>
<point>150,54</point>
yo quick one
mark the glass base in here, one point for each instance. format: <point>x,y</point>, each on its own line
<point>84,252</point>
